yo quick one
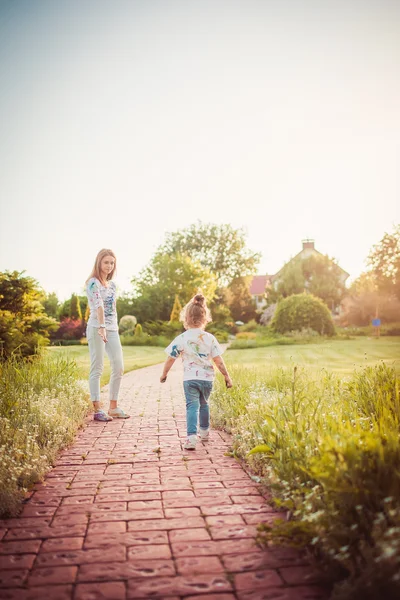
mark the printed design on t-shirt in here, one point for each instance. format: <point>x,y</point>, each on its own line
<point>175,352</point>
<point>109,303</point>
<point>195,346</point>
<point>94,294</point>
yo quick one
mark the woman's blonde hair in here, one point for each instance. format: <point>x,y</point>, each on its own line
<point>96,269</point>
<point>196,313</point>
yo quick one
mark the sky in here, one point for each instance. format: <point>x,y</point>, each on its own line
<point>122,120</point>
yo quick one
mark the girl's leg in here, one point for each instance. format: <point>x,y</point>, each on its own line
<point>96,353</point>
<point>192,395</point>
<point>114,353</point>
<point>204,413</point>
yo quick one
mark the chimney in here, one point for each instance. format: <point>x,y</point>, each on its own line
<point>308,244</point>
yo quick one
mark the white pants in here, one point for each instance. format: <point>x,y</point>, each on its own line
<point>114,352</point>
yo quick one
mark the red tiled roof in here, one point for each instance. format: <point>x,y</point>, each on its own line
<point>258,284</point>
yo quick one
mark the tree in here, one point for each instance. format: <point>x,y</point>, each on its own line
<point>302,311</point>
<point>365,283</point>
<point>176,310</point>
<point>240,302</point>
<point>125,305</point>
<point>65,310</point>
<point>51,304</point>
<point>318,275</point>
<point>361,309</point>
<point>165,277</point>
<point>384,260</point>
<point>75,312</point>
<point>219,248</point>
<point>24,326</point>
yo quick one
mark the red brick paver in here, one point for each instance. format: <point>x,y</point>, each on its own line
<point>127,513</point>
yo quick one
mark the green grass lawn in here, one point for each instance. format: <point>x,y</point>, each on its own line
<point>339,356</point>
<point>135,357</point>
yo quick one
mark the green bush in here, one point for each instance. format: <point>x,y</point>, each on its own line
<point>250,326</point>
<point>221,336</point>
<point>165,328</point>
<point>329,449</point>
<point>145,340</point>
<point>302,311</point>
<point>246,335</point>
<point>24,326</point>
<point>42,404</point>
<point>127,324</point>
<point>67,343</point>
<point>265,337</point>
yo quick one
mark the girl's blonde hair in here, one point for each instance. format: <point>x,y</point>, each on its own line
<point>195,313</point>
<point>96,269</point>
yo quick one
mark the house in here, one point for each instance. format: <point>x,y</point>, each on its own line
<point>258,287</point>
<point>260,283</point>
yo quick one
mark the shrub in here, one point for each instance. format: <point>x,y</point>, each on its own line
<point>221,336</point>
<point>302,311</point>
<point>127,324</point>
<point>268,314</point>
<point>250,326</point>
<point>138,330</point>
<point>42,404</point>
<point>70,329</point>
<point>246,335</point>
<point>145,340</point>
<point>329,448</point>
<point>163,328</point>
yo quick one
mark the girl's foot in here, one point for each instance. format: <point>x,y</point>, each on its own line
<point>100,415</point>
<point>118,413</point>
<point>190,443</point>
<point>204,435</point>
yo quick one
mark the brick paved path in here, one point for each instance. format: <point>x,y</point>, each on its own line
<point>126,513</point>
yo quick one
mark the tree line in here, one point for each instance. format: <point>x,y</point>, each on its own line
<point>215,259</point>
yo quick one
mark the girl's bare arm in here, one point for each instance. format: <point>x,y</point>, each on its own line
<point>167,365</point>
<point>219,362</point>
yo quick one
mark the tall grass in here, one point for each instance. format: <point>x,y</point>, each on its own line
<point>42,404</point>
<point>331,451</point>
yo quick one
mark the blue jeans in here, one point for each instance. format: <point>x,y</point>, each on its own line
<point>197,393</point>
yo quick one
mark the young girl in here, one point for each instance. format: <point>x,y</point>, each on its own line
<point>198,349</point>
<point>102,334</point>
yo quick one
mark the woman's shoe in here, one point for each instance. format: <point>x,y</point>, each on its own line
<point>100,415</point>
<point>118,413</point>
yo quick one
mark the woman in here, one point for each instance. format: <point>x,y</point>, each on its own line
<point>102,334</point>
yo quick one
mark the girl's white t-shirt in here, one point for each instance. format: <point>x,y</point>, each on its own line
<point>197,349</point>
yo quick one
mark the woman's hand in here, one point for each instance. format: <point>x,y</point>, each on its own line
<point>163,378</point>
<point>228,382</point>
<point>102,333</point>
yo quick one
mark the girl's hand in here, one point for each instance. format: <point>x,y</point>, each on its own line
<point>228,382</point>
<point>102,333</point>
<point>163,378</point>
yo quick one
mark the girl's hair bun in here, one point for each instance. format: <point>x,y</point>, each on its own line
<point>199,299</point>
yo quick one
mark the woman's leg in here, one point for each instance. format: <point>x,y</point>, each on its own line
<point>96,353</point>
<point>114,352</point>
